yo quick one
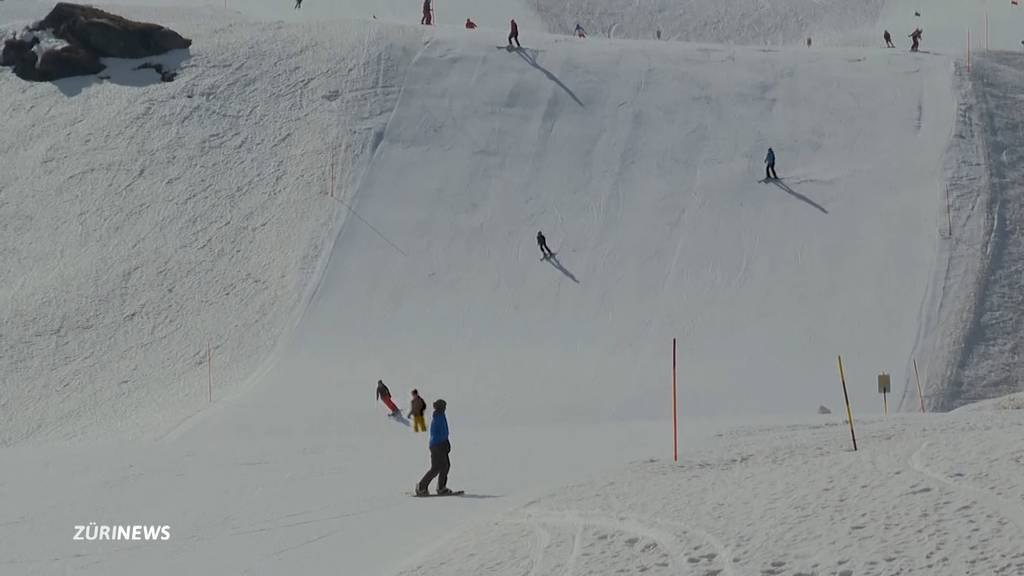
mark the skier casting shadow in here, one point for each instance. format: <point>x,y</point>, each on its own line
<point>549,256</point>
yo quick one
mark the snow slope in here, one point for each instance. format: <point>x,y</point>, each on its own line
<point>919,498</point>
<point>144,222</point>
<point>641,164</point>
<point>640,161</point>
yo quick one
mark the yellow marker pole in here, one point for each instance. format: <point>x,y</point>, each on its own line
<point>849,412</point>
<point>885,405</point>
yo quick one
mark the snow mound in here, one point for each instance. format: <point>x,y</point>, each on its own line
<point>147,224</point>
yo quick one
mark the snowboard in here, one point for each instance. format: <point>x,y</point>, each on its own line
<point>432,495</point>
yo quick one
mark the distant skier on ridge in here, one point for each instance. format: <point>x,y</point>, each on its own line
<point>470,25</point>
<point>580,32</point>
<point>542,243</point>
<point>298,4</point>
<point>384,395</point>
<point>915,37</point>
<point>428,14</point>
<point>769,168</point>
<point>888,40</point>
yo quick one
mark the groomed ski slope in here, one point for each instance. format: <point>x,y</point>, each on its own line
<point>641,163</point>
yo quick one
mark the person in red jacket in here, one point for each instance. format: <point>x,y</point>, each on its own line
<point>513,34</point>
<point>384,395</point>
<point>470,25</point>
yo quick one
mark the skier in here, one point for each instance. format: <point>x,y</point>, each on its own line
<point>580,32</point>
<point>416,409</point>
<point>384,395</point>
<point>440,447</point>
<point>513,34</point>
<point>915,37</point>
<point>542,242</point>
<point>470,25</point>
<point>428,14</point>
<point>769,169</point>
<point>888,40</point>
<point>298,4</point>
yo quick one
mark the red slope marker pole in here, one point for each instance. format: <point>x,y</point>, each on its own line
<point>675,422</point>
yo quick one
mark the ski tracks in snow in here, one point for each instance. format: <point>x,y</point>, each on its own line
<point>631,543</point>
<point>1008,509</point>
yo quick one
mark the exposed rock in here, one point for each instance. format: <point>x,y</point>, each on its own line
<point>109,35</point>
<point>81,35</point>
<point>823,410</point>
<point>66,62</point>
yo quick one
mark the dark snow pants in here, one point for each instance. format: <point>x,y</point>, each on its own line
<point>439,466</point>
<point>769,172</point>
<point>515,37</point>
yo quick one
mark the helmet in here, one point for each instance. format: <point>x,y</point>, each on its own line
<point>440,405</point>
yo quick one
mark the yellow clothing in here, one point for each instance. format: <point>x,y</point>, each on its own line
<point>419,424</point>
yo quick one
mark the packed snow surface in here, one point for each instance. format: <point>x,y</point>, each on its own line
<point>319,203</point>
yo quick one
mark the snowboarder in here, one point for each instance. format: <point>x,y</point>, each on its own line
<point>384,395</point>
<point>888,39</point>
<point>428,14</point>
<point>513,34</point>
<point>440,447</point>
<point>580,32</point>
<point>470,25</point>
<point>542,243</point>
<point>416,409</point>
<point>915,37</point>
<point>298,4</point>
<point>769,169</point>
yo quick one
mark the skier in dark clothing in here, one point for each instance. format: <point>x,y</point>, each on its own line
<point>542,242</point>
<point>416,409</point>
<point>440,447</point>
<point>384,395</point>
<point>298,4</point>
<point>428,14</point>
<point>888,40</point>
<point>513,34</point>
<point>915,38</point>
<point>769,169</point>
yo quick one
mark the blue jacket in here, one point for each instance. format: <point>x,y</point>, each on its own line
<point>438,428</point>
<point>770,158</point>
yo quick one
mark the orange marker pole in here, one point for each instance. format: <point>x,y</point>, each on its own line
<point>675,422</point>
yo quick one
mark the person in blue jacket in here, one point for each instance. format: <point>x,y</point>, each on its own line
<point>440,447</point>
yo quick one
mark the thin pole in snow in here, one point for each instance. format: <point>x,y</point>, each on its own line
<point>849,412</point>
<point>968,50</point>
<point>675,422</point>
<point>209,364</point>
<point>949,216</point>
<point>920,394</point>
